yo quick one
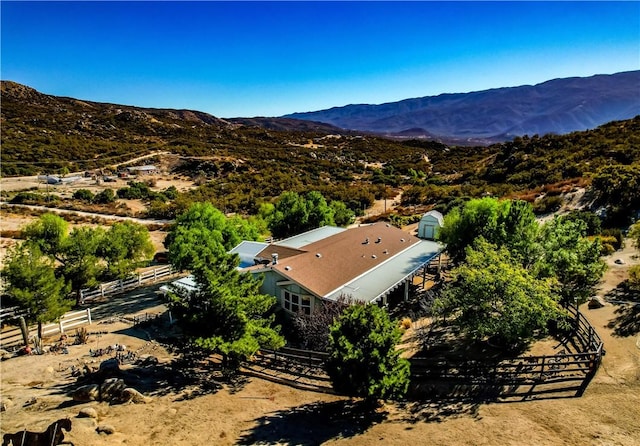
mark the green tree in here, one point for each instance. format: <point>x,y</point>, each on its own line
<point>294,213</point>
<point>290,215</point>
<point>363,359</point>
<point>202,234</point>
<point>590,219</point>
<point>80,263</point>
<point>31,281</point>
<point>501,222</point>
<point>227,314</point>
<point>320,213</point>
<point>48,232</point>
<point>342,215</point>
<point>123,246</point>
<point>571,258</point>
<point>492,295</point>
<point>634,234</point>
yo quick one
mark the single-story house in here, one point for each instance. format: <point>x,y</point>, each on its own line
<point>365,263</point>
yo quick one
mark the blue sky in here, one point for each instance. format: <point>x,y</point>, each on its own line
<point>271,58</point>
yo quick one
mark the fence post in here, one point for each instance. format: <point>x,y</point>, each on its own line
<point>542,368</point>
<point>155,274</point>
<point>102,289</point>
<point>139,279</point>
<point>89,315</point>
<point>61,326</point>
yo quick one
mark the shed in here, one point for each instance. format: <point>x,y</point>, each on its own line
<point>429,225</point>
<point>142,169</point>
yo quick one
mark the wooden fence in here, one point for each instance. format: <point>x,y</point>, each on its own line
<point>124,285</point>
<point>10,339</point>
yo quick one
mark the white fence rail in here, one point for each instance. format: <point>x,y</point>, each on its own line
<point>11,313</point>
<point>121,286</point>
<point>68,321</point>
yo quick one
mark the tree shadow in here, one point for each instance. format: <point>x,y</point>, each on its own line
<point>436,410</point>
<point>190,374</point>
<point>627,300</point>
<point>313,424</point>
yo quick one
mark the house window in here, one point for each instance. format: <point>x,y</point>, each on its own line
<point>295,303</point>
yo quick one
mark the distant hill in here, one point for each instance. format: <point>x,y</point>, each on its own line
<point>41,132</point>
<point>287,124</point>
<point>557,106</point>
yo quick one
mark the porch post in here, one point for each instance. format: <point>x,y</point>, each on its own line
<point>406,290</point>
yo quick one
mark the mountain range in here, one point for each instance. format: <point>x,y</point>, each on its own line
<point>557,106</point>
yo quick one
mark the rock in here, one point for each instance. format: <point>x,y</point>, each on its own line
<point>50,370</point>
<point>5,354</point>
<point>5,404</point>
<point>109,368</point>
<point>105,429</point>
<point>596,302</point>
<point>130,394</point>
<point>148,360</point>
<point>30,402</point>
<point>89,392</point>
<point>111,389</point>
<point>88,412</point>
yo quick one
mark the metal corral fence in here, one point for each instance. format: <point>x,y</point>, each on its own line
<point>10,339</point>
<point>123,285</point>
<point>303,369</point>
<point>571,370</point>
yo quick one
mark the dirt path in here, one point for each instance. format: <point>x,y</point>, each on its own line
<point>143,221</point>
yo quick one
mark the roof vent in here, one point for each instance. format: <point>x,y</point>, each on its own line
<point>379,240</point>
<point>318,255</point>
<point>287,268</point>
<point>402,240</point>
<point>374,256</point>
<point>274,258</point>
<point>388,225</point>
<point>386,251</point>
<point>366,241</point>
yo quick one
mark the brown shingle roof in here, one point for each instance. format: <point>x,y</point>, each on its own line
<point>334,261</point>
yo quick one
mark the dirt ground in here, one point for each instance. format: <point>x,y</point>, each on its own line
<point>264,413</point>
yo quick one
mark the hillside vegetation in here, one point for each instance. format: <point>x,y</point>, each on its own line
<point>244,163</point>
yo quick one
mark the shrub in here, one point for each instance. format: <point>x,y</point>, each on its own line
<point>83,195</point>
<point>105,197</point>
<point>547,204</point>
<point>614,236</point>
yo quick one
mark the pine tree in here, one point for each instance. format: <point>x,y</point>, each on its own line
<point>363,360</point>
<point>32,282</point>
<point>227,314</point>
